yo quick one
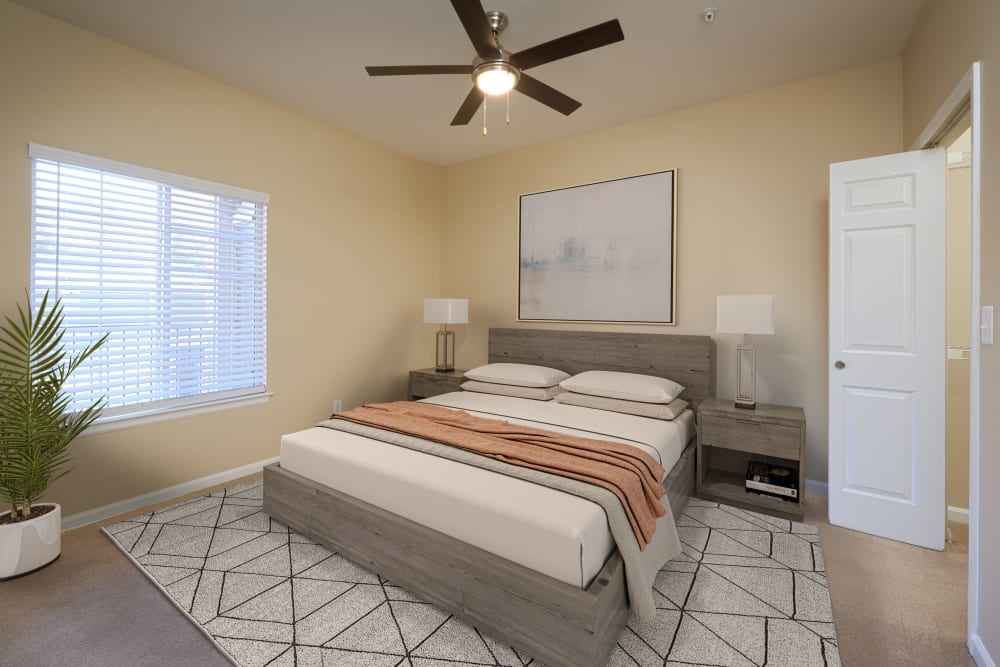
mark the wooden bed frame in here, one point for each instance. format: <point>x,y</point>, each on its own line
<point>558,624</point>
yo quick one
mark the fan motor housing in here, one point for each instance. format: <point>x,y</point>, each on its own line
<point>497,20</point>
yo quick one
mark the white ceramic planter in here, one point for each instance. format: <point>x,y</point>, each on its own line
<point>28,545</point>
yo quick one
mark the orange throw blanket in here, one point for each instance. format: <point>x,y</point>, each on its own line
<point>628,472</point>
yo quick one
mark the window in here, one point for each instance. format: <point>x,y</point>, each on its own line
<point>174,268</point>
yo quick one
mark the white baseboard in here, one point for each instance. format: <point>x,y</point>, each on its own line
<point>114,509</point>
<point>817,487</point>
<point>979,652</point>
<point>958,514</point>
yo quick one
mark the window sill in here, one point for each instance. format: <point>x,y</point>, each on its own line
<point>165,414</point>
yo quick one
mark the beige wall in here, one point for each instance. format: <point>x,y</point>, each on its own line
<point>956,483</point>
<point>957,332</point>
<point>948,37</point>
<point>959,255</point>
<point>353,239</point>
<point>752,212</point>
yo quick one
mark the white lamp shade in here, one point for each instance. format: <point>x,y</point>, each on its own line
<point>745,314</point>
<point>446,311</point>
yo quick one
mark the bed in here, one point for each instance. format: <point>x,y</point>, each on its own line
<point>562,601</point>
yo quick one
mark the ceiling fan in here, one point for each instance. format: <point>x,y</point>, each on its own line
<point>495,70</point>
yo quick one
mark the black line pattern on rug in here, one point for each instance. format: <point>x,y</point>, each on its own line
<point>748,590</point>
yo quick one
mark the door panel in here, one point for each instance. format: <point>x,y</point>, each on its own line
<point>879,268</point>
<point>879,461</point>
<point>883,193</point>
<point>887,287</point>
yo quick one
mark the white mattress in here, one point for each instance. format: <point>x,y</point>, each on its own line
<point>561,535</point>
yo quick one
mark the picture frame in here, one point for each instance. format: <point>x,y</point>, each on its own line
<point>602,252</point>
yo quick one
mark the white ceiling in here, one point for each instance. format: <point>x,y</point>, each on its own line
<point>310,55</point>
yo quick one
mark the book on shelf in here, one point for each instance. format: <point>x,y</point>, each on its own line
<point>772,480</point>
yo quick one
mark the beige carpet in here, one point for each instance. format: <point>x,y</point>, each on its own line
<point>893,604</point>
<point>896,604</point>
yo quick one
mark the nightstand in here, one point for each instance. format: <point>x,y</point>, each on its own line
<point>730,437</point>
<point>427,382</point>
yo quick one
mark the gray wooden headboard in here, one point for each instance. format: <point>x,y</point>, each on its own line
<point>687,360</point>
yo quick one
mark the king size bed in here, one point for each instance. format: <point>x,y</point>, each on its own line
<point>531,565</point>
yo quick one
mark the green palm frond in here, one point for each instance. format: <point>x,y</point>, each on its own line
<point>36,426</point>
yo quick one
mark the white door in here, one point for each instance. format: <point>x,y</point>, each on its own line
<point>887,346</point>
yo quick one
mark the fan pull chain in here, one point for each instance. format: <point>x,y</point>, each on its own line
<point>508,107</point>
<point>484,115</point>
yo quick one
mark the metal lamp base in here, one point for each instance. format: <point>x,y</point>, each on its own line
<point>746,377</point>
<point>445,358</point>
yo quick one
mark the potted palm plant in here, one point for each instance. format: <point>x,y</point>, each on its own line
<point>36,428</point>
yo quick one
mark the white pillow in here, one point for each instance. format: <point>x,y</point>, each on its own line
<point>626,386</point>
<point>519,375</point>
<point>666,411</point>
<point>534,393</point>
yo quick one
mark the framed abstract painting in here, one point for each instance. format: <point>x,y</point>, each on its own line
<point>602,252</point>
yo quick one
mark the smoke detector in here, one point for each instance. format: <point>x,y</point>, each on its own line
<point>709,14</point>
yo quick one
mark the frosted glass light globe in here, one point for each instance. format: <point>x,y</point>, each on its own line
<point>495,79</point>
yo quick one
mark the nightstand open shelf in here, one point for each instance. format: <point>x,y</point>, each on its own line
<point>728,487</point>
<point>729,438</point>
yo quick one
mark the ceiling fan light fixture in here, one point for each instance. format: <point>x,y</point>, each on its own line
<point>495,70</point>
<point>495,78</point>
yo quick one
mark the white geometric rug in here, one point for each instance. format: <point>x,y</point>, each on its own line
<point>748,590</point>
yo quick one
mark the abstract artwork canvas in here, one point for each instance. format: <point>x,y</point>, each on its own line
<point>602,252</point>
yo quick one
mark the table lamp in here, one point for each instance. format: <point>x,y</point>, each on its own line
<point>445,312</point>
<point>745,314</point>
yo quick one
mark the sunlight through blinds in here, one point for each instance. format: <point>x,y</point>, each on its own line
<point>173,267</point>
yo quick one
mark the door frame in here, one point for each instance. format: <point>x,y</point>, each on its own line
<point>967,94</point>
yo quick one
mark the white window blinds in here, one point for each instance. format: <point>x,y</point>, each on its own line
<point>174,268</point>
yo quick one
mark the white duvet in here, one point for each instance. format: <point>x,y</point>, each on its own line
<point>557,534</point>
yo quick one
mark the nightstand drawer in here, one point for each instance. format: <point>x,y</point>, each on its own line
<point>425,385</point>
<point>746,435</point>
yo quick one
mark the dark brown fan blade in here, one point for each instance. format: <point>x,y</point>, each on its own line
<point>468,108</point>
<point>402,70</point>
<point>593,37</point>
<point>547,95</point>
<point>473,18</point>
